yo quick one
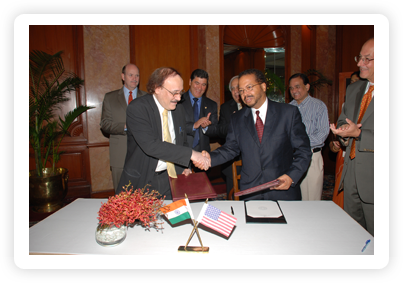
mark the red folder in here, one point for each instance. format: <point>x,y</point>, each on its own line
<point>195,186</point>
<point>258,188</point>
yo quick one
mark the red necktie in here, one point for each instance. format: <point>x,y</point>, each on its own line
<point>259,126</point>
<point>366,100</point>
<point>130,98</point>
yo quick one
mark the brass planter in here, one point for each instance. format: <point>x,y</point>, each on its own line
<point>46,194</point>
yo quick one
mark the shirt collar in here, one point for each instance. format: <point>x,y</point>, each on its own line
<point>262,111</point>
<point>305,101</point>
<point>126,92</point>
<point>191,98</point>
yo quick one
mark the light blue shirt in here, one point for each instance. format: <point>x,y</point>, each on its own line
<point>126,92</point>
<point>315,118</point>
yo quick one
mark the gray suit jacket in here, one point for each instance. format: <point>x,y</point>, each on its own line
<point>113,121</point>
<point>364,163</point>
<point>145,145</point>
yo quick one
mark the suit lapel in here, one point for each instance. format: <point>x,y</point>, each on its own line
<point>358,102</point>
<point>156,116</point>
<point>369,111</point>
<point>270,121</point>
<point>188,106</point>
<point>122,100</point>
<point>250,126</point>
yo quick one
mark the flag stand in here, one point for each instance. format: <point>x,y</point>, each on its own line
<point>194,249</point>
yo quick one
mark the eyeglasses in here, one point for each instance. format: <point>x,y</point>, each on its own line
<point>248,88</point>
<point>176,93</point>
<point>365,60</point>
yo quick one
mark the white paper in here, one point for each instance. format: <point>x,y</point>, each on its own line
<point>266,208</point>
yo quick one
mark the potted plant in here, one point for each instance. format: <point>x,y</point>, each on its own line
<point>49,86</point>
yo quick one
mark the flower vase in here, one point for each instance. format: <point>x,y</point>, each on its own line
<point>110,235</point>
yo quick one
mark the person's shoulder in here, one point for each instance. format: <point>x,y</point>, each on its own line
<point>113,92</point>
<point>317,101</point>
<point>209,101</point>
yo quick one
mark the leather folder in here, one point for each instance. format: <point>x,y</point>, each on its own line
<point>196,186</point>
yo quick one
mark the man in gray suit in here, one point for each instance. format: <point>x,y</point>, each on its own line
<point>355,128</point>
<point>113,119</point>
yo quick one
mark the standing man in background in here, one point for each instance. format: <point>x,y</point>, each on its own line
<point>355,128</point>
<point>316,120</point>
<point>201,112</point>
<point>113,118</point>
<point>226,110</point>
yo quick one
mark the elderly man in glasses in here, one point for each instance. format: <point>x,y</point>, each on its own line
<point>355,128</point>
<point>157,144</point>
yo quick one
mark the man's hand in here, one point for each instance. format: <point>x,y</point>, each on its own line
<point>285,183</point>
<point>347,130</point>
<point>187,172</point>
<point>203,122</point>
<point>201,160</point>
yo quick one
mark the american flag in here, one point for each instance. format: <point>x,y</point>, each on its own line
<point>216,219</point>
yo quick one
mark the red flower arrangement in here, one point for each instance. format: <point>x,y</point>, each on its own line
<point>131,205</point>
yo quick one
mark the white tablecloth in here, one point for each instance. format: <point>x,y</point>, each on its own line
<point>313,228</point>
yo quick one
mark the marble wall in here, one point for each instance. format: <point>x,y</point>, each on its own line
<point>106,51</point>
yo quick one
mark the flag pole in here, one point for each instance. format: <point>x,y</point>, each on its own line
<point>194,249</point>
<point>195,223</point>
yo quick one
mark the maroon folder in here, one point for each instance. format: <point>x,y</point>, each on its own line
<point>258,188</point>
<point>195,186</point>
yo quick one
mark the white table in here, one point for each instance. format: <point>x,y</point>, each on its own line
<point>313,228</point>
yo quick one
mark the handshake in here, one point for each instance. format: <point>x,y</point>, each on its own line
<point>201,160</point>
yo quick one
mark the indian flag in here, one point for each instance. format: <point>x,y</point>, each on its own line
<point>177,211</point>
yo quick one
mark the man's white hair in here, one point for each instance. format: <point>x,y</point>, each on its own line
<point>230,82</point>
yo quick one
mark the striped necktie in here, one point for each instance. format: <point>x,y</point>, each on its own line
<point>167,138</point>
<point>366,100</point>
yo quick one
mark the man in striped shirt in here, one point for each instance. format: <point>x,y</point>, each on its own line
<point>315,118</point>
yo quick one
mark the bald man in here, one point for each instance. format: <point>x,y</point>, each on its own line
<point>113,118</point>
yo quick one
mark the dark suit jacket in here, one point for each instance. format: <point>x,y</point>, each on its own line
<point>364,157</point>
<point>207,106</point>
<point>145,146</point>
<point>226,110</point>
<point>284,149</point>
<point>113,121</point>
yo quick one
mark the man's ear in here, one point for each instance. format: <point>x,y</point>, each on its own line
<point>308,86</point>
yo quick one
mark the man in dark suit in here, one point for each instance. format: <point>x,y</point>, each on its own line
<point>226,110</point>
<point>113,118</point>
<point>277,148</point>
<point>355,128</point>
<point>200,112</point>
<point>156,138</point>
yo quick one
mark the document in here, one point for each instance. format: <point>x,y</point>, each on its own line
<point>259,209</point>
